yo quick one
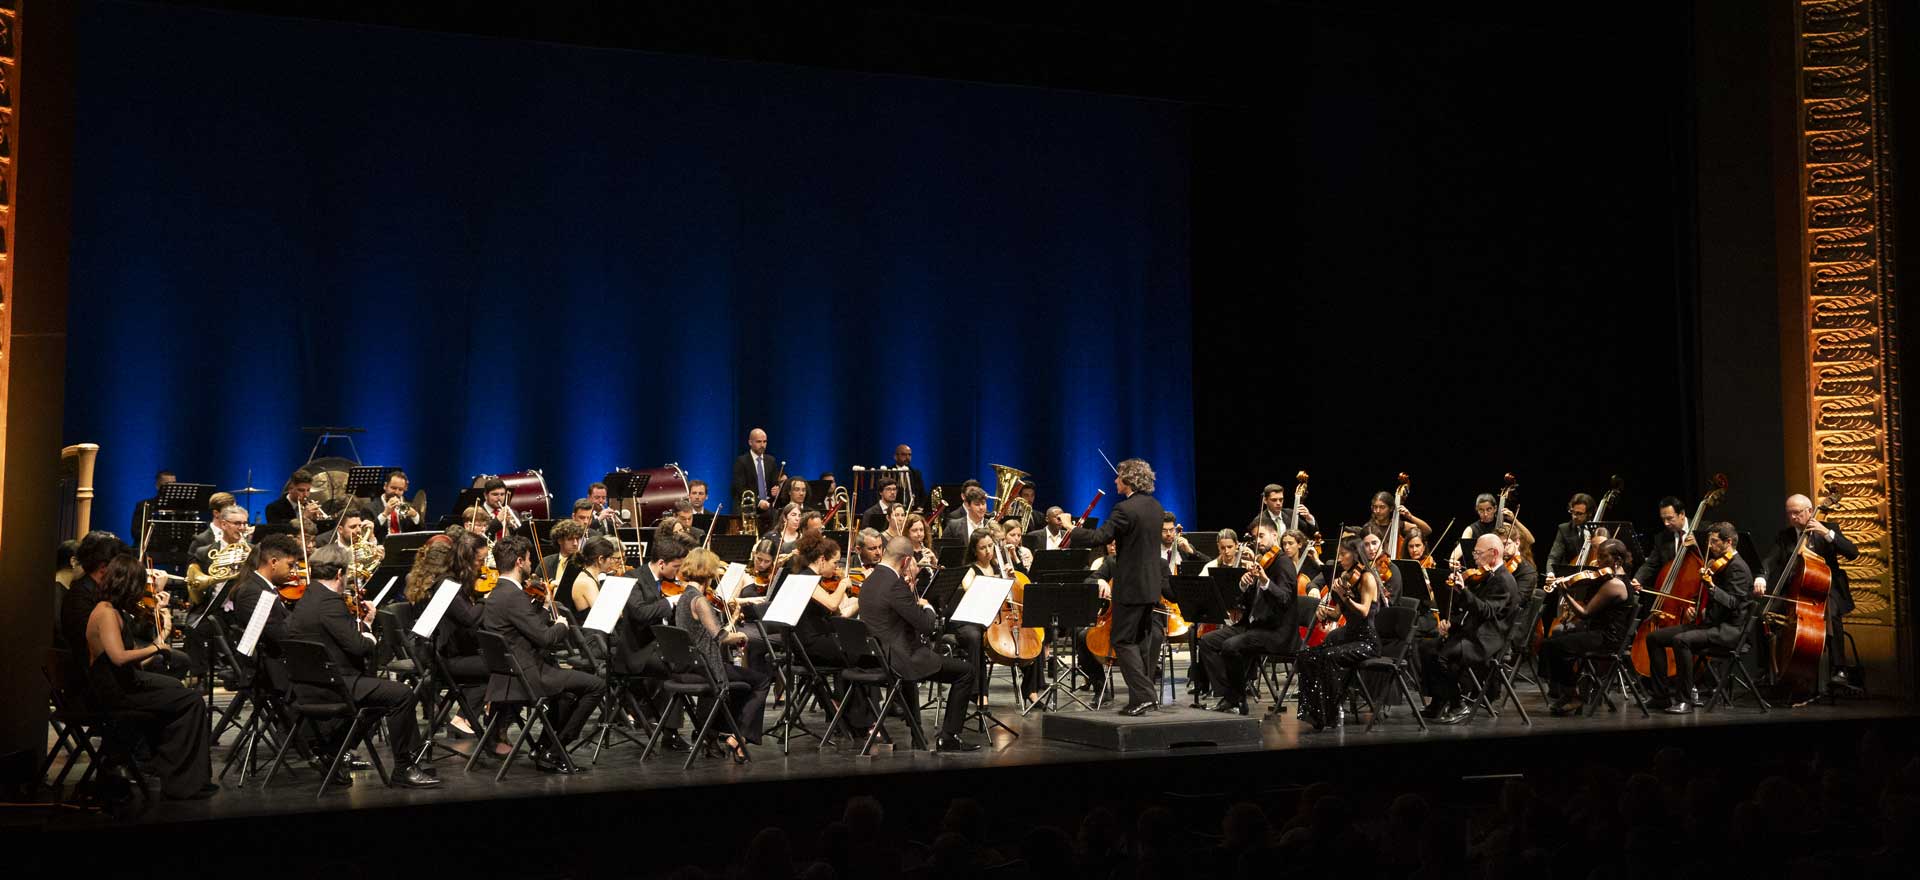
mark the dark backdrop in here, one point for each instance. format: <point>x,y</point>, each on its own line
<point>1450,246</point>
<point>499,254</point>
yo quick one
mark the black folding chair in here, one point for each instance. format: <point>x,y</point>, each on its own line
<point>309,665</point>
<point>397,660</point>
<point>1602,671</point>
<point>520,689</point>
<point>1395,629</point>
<point>441,694</point>
<point>1728,666</point>
<point>807,682</point>
<point>618,708</point>
<point>79,725</point>
<point>1505,668</point>
<point>675,649</point>
<point>867,659</point>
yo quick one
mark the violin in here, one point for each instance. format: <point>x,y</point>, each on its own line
<point>489,578</point>
<point>1561,583</point>
<point>295,585</point>
<point>671,587</point>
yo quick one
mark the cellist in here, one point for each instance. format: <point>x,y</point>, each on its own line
<point>1826,541</point>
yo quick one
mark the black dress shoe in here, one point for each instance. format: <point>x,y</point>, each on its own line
<point>673,742</point>
<point>414,777</point>
<point>341,776</point>
<point>548,761</point>
<point>355,762</point>
<point>1225,705</point>
<point>1693,696</point>
<point>1432,711</point>
<point>1457,716</point>
<point>1680,708</point>
<point>1135,710</point>
<point>949,742</point>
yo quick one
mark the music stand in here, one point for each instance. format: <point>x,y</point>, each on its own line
<point>838,537</point>
<point>1074,559</point>
<point>1204,543</point>
<point>944,586</point>
<point>1203,599</point>
<point>734,548</point>
<point>1413,579</point>
<point>626,484</point>
<point>168,540</point>
<point>874,521</point>
<point>467,498</point>
<point>1192,567</point>
<point>1092,522</point>
<point>950,555</point>
<point>192,498</point>
<point>1066,607</point>
<point>366,482</point>
<point>817,494</point>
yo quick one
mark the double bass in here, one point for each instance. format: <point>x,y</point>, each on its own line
<point>1800,642</point>
<point>1679,579</point>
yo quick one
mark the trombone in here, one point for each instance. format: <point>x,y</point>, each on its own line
<point>749,514</point>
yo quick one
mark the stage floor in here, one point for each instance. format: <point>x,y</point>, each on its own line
<point>1497,746</point>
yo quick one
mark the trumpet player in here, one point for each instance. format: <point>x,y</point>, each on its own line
<point>394,513</point>
<point>503,520</point>
<point>295,502</point>
<point>606,520</point>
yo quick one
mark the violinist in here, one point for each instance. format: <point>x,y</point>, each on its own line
<point>530,632</point>
<point>1382,520</point>
<point>901,620</point>
<point>656,591</point>
<point>1230,552</point>
<point>1526,578</point>
<point>579,581</point>
<point>115,587</point>
<point>322,616</point>
<point>789,518</point>
<point>1353,593</point>
<point>296,503</point>
<point>1416,550</point>
<point>1474,634</point>
<point>1731,587</point>
<point>567,537</point>
<point>393,514</point>
<point>868,544</point>
<point>1274,512</point>
<point>1265,612</point>
<point>1052,534</point>
<point>274,559</point>
<point>1601,621</point>
<point>817,555</point>
<point>441,559</point>
<point>711,624</point>
<point>759,570</point>
<point>1371,550</point>
<point>1826,541</point>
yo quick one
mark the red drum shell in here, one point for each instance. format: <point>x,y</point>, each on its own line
<point>527,490</point>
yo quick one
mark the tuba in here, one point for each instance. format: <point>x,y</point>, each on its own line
<point>1007,485</point>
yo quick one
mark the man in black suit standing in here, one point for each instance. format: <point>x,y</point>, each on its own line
<point>1139,576</point>
<point>322,616</point>
<point>1825,540</point>
<point>913,487</point>
<point>902,622</point>
<point>529,633</point>
<point>1469,642</point>
<point>756,472</point>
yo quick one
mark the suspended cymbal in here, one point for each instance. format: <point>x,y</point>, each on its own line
<point>247,491</point>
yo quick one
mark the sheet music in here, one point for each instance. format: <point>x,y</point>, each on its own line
<point>612,600</point>
<point>257,624</point>
<point>982,600</point>
<point>792,599</point>
<point>383,590</point>
<point>732,581</point>
<point>436,608</point>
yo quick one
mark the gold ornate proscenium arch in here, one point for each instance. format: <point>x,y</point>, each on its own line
<point>1845,304</point>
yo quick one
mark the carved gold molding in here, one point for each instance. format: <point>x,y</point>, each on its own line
<point>1853,375</point>
<point>9,184</point>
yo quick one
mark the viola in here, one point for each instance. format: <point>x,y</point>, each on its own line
<point>295,585</point>
<point>671,587</point>
<point>489,578</point>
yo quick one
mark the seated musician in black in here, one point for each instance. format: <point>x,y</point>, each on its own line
<point>530,632</point>
<point>1526,577</point>
<point>1731,587</point>
<point>95,550</point>
<point>273,562</point>
<point>1390,581</point>
<point>706,626</point>
<point>322,616</point>
<point>902,623</point>
<point>177,726</point>
<point>633,652</point>
<point>440,559</point>
<point>1475,635</point>
<point>1265,613</point>
<point>1599,623</point>
<point>816,554</point>
<point>982,561</point>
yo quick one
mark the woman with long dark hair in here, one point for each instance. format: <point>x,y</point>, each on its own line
<point>1352,591</point>
<point>178,731</point>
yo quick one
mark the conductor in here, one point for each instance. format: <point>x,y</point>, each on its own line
<point>1139,576</point>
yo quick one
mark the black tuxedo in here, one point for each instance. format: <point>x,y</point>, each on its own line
<point>1265,627</point>
<point>529,634</point>
<point>1660,551</point>
<point>245,595</point>
<point>1036,540</point>
<point>1831,550</point>
<point>1139,583</point>
<point>1473,639</point>
<point>899,623</point>
<point>744,480</point>
<point>322,616</point>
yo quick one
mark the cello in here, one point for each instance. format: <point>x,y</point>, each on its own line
<point>1800,642</point>
<point>1679,579</point>
<point>1006,640</point>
